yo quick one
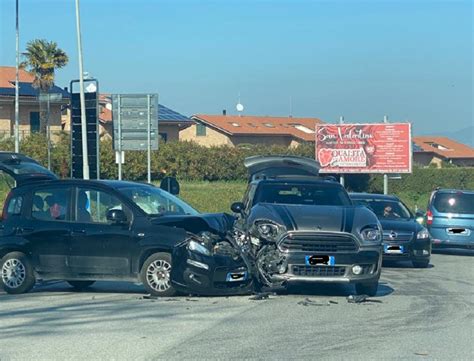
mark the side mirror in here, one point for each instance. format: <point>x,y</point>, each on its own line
<point>170,184</point>
<point>116,216</point>
<point>237,207</point>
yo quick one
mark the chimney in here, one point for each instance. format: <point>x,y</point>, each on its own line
<point>224,112</point>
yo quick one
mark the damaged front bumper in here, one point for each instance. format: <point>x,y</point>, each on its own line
<point>211,274</point>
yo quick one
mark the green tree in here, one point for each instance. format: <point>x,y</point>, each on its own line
<point>42,58</point>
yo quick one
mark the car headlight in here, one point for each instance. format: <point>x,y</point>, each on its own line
<point>199,248</point>
<point>371,234</point>
<point>267,230</point>
<point>423,234</point>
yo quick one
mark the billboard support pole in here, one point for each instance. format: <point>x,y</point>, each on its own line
<point>342,179</point>
<point>119,154</point>
<point>385,176</point>
<point>149,139</point>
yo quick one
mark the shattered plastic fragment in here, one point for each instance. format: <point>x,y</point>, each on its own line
<point>308,302</point>
<point>260,296</point>
<point>360,299</point>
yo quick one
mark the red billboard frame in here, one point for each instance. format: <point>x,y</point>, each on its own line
<point>364,148</point>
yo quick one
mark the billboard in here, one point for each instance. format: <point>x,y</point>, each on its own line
<point>364,148</point>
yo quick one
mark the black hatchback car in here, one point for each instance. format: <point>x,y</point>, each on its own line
<point>83,230</point>
<point>403,237</point>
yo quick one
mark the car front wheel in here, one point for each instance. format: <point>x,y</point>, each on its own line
<point>80,285</point>
<point>156,275</point>
<point>16,273</point>
<point>369,289</point>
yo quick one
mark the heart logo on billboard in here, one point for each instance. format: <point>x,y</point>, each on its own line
<point>325,156</point>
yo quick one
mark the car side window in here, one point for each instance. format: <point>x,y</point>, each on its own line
<point>92,206</point>
<point>249,196</point>
<point>14,206</point>
<point>50,204</point>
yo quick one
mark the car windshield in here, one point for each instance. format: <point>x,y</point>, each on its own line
<point>155,201</point>
<point>461,203</point>
<point>304,194</point>
<point>385,209</point>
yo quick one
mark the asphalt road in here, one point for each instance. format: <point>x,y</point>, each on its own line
<point>417,314</point>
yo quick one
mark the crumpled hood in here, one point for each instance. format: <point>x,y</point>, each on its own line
<point>218,223</point>
<point>314,218</point>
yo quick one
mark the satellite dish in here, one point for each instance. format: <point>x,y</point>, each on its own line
<point>108,106</point>
<point>239,107</point>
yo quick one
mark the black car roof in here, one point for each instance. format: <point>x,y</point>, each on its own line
<point>450,190</point>
<point>297,179</point>
<point>374,196</point>
<point>109,183</point>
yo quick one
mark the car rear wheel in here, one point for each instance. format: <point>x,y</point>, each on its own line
<point>156,275</point>
<point>369,289</point>
<point>16,273</point>
<point>80,285</point>
<point>421,264</point>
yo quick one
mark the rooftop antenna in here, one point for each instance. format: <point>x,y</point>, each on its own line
<point>239,107</point>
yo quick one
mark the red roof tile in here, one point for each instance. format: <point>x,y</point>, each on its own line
<point>301,128</point>
<point>443,146</point>
<point>7,76</point>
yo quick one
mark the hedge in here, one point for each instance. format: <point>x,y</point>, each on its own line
<point>190,161</point>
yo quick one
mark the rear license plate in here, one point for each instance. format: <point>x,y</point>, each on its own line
<point>458,231</point>
<point>390,249</point>
<point>320,260</point>
<point>236,276</point>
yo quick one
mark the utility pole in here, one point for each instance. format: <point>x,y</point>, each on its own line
<point>85,153</point>
<point>17,89</point>
<point>385,176</point>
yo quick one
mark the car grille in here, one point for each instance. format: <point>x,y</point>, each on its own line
<point>323,271</point>
<point>400,236</point>
<point>318,244</point>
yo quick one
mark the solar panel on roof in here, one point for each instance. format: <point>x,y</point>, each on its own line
<point>168,115</point>
<point>416,148</point>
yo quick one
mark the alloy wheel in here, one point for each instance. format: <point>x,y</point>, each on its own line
<point>158,275</point>
<point>13,273</point>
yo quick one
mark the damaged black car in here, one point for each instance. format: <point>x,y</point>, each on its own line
<point>292,226</point>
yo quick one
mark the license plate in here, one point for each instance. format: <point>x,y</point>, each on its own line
<point>236,276</point>
<point>317,260</point>
<point>391,249</point>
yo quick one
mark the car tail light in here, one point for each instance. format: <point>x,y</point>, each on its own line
<point>5,207</point>
<point>429,217</point>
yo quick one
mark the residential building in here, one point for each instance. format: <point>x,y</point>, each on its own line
<point>29,109</point>
<point>428,150</point>
<point>235,130</point>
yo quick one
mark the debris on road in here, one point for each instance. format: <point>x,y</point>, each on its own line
<point>360,299</point>
<point>309,302</point>
<point>149,297</point>
<point>260,296</point>
<point>422,353</point>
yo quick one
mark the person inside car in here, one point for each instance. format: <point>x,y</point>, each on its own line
<point>83,214</point>
<point>389,213</point>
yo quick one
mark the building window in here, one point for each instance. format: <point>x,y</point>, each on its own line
<point>34,122</point>
<point>200,130</point>
<point>163,137</point>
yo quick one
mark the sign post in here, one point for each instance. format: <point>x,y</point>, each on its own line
<point>342,179</point>
<point>135,121</point>
<point>385,176</point>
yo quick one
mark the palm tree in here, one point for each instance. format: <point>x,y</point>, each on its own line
<point>42,58</point>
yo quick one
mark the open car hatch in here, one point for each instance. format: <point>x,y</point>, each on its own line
<point>23,169</point>
<point>274,166</point>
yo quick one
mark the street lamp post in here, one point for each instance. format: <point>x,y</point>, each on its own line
<point>85,153</point>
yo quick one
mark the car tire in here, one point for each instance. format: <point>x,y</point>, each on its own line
<point>369,289</point>
<point>421,264</point>
<point>156,275</point>
<point>80,285</point>
<point>16,273</point>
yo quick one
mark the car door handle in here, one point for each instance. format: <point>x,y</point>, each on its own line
<point>25,230</point>
<point>78,232</point>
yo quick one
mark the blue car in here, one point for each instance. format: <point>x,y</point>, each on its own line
<point>450,218</point>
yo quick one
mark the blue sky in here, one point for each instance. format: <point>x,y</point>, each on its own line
<point>411,60</point>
